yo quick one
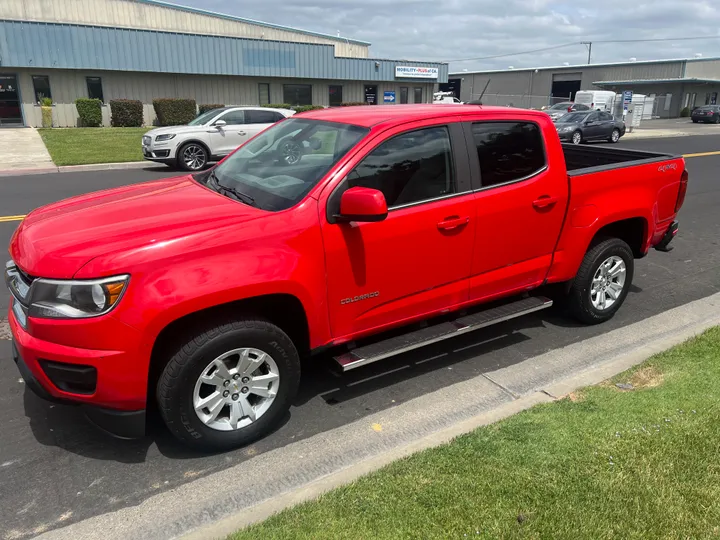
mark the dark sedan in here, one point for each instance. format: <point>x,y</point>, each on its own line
<point>578,127</point>
<point>706,114</point>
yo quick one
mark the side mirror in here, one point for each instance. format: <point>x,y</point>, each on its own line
<point>363,205</point>
<point>220,124</point>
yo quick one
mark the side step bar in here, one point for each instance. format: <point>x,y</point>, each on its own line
<point>432,334</point>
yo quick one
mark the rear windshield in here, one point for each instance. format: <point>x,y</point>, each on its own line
<point>707,108</point>
<point>275,170</point>
<point>561,106</point>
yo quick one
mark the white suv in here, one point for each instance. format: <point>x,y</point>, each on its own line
<point>210,137</point>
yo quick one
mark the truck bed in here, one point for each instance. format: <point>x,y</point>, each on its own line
<point>583,159</point>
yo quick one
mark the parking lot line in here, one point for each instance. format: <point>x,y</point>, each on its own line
<point>11,218</point>
<point>702,154</point>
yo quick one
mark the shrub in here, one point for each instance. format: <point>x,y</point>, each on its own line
<point>174,111</point>
<point>126,113</point>
<point>353,103</point>
<point>209,107</point>
<point>303,108</point>
<point>685,112</point>
<point>279,106</point>
<point>89,111</point>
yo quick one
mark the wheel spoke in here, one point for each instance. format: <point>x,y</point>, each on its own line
<point>248,365</point>
<point>261,385</point>
<point>213,380</point>
<point>247,408</point>
<point>236,414</point>
<point>214,403</point>
<point>222,370</point>
<point>616,269</point>
<point>602,299</point>
<point>616,289</point>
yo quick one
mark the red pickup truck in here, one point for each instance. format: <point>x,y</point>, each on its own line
<point>333,232</point>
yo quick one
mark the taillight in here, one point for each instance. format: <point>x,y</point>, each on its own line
<point>570,109</point>
<point>683,189</point>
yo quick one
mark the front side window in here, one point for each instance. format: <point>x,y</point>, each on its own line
<point>233,118</point>
<point>255,116</point>
<point>412,167</point>
<point>204,118</point>
<point>275,170</point>
<point>297,94</point>
<point>41,85</point>
<point>508,151</point>
<point>94,88</point>
<point>594,117</point>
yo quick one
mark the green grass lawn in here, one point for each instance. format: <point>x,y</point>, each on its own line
<point>602,463</point>
<point>80,146</point>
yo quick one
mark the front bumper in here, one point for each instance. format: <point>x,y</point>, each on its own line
<point>110,385</point>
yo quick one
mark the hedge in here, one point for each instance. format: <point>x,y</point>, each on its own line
<point>303,108</point>
<point>89,111</point>
<point>353,103</point>
<point>209,107</point>
<point>278,106</point>
<point>126,113</point>
<point>685,112</point>
<point>174,111</point>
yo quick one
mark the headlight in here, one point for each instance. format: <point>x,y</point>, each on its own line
<point>56,299</point>
<point>565,129</point>
<point>165,137</point>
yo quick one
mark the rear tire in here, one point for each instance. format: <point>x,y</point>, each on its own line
<point>594,281</point>
<point>190,379</point>
<point>614,136</point>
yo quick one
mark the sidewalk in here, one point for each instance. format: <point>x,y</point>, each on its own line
<point>23,149</point>
<point>671,127</point>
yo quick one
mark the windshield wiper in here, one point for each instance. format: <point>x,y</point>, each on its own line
<point>221,188</point>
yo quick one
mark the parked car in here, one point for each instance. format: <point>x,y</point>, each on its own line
<point>706,114</point>
<point>210,137</point>
<point>561,109</point>
<point>584,126</point>
<point>200,295</point>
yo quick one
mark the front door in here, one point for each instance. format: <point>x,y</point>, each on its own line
<point>416,261</point>
<point>10,113</point>
<point>225,139</point>
<point>521,203</point>
<point>593,127</point>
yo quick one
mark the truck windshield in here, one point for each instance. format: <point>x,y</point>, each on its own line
<point>276,169</point>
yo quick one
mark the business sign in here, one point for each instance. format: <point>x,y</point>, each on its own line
<point>389,97</point>
<point>417,72</point>
<point>627,99</point>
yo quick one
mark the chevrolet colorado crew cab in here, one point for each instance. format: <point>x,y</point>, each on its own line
<point>388,229</point>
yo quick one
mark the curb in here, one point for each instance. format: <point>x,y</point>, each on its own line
<point>229,499</point>
<point>81,168</point>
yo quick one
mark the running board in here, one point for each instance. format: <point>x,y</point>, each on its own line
<point>432,334</point>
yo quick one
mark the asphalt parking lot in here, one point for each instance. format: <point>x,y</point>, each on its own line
<point>56,469</point>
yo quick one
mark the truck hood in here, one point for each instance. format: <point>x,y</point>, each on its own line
<point>55,241</point>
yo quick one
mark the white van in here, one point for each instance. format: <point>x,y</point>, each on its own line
<point>600,100</point>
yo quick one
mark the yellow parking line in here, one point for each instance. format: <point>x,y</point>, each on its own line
<point>11,218</point>
<point>701,154</point>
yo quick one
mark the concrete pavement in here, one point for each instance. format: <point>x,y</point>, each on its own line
<point>23,149</point>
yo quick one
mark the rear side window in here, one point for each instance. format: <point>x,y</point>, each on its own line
<point>410,168</point>
<point>253,116</point>
<point>605,117</point>
<point>508,151</point>
<point>581,107</point>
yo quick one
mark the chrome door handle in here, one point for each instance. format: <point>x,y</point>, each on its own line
<point>241,133</point>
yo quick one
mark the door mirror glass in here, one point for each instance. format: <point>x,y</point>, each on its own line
<point>363,205</point>
<point>220,124</point>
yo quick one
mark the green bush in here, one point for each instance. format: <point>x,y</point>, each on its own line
<point>685,112</point>
<point>353,103</point>
<point>126,113</point>
<point>279,106</point>
<point>209,107</point>
<point>303,108</point>
<point>174,111</point>
<point>89,111</point>
<point>45,101</point>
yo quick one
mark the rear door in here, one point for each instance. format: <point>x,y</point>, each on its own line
<point>521,194</point>
<point>606,125</point>
<point>257,120</point>
<point>417,261</point>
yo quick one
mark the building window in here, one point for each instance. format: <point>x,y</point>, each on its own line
<point>41,85</point>
<point>508,151</point>
<point>297,94</point>
<point>371,94</point>
<point>418,95</point>
<point>412,167</point>
<point>264,93</point>
<point>94,87</point>
<point>335,95</point>
<point>403,94</point>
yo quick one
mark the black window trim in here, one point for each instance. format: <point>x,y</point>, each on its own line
<point>461,170</point>
<point>475,174</point>
<point>32,79</point>
<point>102,90</point>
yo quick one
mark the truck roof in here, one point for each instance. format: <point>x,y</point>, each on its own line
<point>368,115</point>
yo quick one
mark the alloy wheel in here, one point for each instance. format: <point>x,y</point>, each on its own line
<point>194,157</point>
<point>608,283</point>
<point>577,138</point>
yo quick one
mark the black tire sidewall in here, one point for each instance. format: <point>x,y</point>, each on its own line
<point>181,163</point>
<point>180,415</point>
<point>582,302</point>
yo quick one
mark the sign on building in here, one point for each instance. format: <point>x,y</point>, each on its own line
<point>412,72</point>
<point>389,97</point>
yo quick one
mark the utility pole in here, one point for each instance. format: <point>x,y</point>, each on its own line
<point>589,46</point>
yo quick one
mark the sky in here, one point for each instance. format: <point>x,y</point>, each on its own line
<point>449,30</point>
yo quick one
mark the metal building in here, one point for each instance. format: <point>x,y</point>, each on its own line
<point>674,84</point>
<point>147,49</point>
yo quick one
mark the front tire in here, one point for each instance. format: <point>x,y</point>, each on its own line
<point>192,157</point>
<point>614,136</point>
<point>576,138</point>
<point>229,385</point>
<point>603,281</point>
